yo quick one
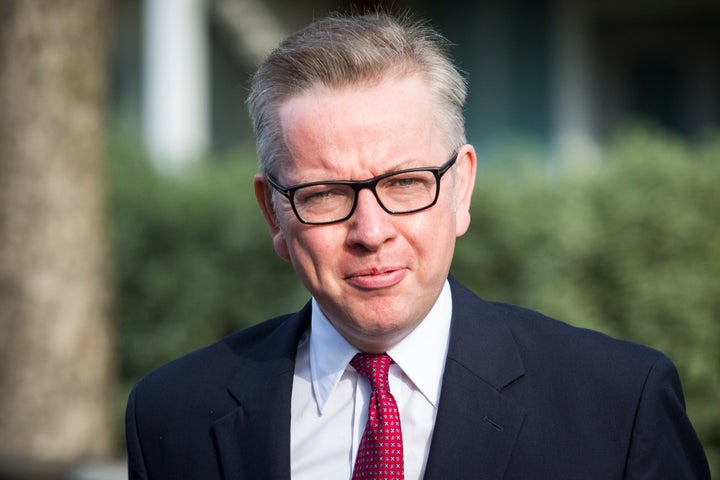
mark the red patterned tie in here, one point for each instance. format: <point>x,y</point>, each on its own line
<point>380,455</point>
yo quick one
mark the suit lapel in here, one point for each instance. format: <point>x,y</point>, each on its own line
<point>254,440</point>
<point>476,426</point>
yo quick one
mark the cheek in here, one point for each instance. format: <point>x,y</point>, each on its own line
<point>313,250</point>
<point>426,236</point>
<point>438,236</point>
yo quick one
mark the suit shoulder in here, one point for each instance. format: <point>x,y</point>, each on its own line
<point>539,328</point>
<point>550,345</point>
<point>540,334</point>
<point>214,364</point>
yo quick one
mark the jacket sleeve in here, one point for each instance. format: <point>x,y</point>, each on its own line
<point>664,443</point>
<point>136,463</point>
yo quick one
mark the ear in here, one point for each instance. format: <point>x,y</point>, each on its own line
<point>466,170</point>
<point>263,195</point>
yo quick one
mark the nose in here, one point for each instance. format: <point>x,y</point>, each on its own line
<point>370,226</point>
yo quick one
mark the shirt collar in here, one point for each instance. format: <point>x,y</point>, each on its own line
<point>424,366</point>
<point>330,353</point>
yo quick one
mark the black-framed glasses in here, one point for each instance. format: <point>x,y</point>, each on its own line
<point>400,192</point>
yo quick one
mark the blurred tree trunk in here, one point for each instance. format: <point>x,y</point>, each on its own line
<point>55,352</point>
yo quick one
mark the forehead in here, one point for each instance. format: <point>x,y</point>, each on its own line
<point>396,89</point>
<point>357,129</point>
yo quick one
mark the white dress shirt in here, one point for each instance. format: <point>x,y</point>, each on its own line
<point>330,399</point>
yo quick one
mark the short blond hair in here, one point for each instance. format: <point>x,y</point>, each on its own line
<point>345,50</point>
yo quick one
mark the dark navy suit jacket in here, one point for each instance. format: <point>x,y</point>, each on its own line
<point>523,397</point>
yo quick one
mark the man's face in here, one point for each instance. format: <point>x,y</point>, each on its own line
<point>375,275</point>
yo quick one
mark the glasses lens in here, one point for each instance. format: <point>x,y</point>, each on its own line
<point>407,191</point>
<point>323,203</point>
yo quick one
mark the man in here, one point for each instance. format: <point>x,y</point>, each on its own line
<point>366,183</point>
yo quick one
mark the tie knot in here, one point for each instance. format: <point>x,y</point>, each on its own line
<point>375,368</point>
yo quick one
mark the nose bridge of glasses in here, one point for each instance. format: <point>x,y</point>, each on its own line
<point>371,187</point>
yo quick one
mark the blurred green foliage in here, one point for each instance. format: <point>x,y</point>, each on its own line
<point>193,259</point>
<point>630,247</point>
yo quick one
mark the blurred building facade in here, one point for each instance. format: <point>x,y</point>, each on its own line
<point>564,75</point>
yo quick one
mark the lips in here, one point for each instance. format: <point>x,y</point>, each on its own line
<point>377,277</point>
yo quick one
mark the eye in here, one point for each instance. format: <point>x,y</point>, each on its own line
<point>411,181</point>
<point>404,182</point>
<point>321,194</point>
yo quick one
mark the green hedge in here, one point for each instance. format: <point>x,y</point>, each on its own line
<point>630,248</point>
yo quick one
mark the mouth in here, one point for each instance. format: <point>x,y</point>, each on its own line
<point>377,277</point>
